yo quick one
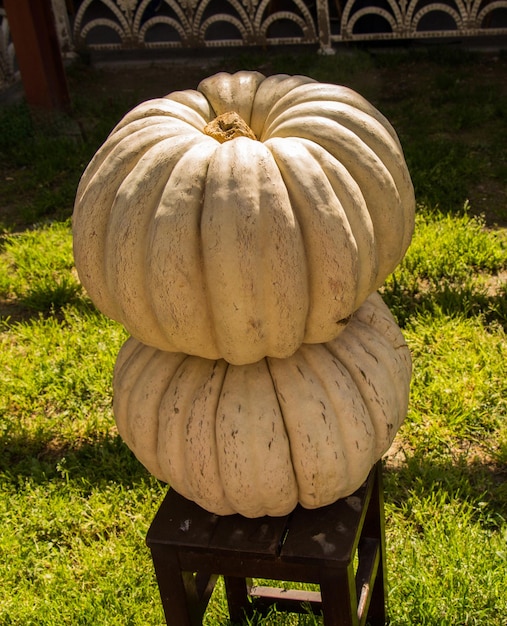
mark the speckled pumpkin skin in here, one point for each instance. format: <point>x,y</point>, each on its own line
<point>249,247</point>
<point>259,438</point>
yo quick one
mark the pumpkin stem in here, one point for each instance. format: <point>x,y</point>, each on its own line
<point>228,126</point>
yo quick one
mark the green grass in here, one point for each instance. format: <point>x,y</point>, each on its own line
<point>453,264</point>
<point>74,503</point>
<point>36,267</point>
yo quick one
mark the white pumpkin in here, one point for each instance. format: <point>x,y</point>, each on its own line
<point>203,236</point>
<point>259,438</point>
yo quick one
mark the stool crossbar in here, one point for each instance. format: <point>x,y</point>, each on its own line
<point>340,548</point>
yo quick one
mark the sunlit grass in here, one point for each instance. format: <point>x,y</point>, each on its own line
<point>74,503</point>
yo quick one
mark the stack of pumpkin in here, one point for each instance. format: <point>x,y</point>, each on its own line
<point>240,232</point>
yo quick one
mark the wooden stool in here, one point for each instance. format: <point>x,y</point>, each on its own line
<point>340,547</point>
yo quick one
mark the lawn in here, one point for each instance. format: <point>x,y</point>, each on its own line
<point>75,505</point>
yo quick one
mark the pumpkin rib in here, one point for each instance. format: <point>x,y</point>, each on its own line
<point>130,361</point>
<point>201,454</point>
<point>395,372</point>
<point>394,339</point>
<point>369,372</point>
<point>270,91</point>
<point>252,442</point>
<point>90,220</point>
<point>328,92</point>
<point>143,132</point>
<point>399,368</point>
<point>192,393</point>
<point>232,92</point>
<point>116,156</point>
<point>353,203</point>
<point>128,379</point>
<point>381,320</point>
<point>144,401</point>
<point>179,294</point>
<point>365,126</point>
<point>355,427</point>
<point>135,203</point>
<point>166,108</point>
<point>244,251</point>
<point>195,100</point>
<point>314,419</point>
<point>377,185</point>
<point>331,251</point>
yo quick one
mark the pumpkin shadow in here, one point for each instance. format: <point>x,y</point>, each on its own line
<point>105,458</point>
<point>448,299</point>
<point>481,483</point>
<point>45,300</point>
<point>100,459</point>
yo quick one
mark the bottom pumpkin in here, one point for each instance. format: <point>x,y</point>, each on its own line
<point>257,439</point>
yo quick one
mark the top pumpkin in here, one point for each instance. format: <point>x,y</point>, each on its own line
<point>243,240</point>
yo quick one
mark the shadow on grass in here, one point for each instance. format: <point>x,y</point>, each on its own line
<point>90,462</point>
<point>448,299</point>
<point>481,483</point>
<point>46,301</point>
<point>106,458</point>
<point>53,301</point>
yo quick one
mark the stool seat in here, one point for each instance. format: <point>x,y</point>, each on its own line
<point>340,547</point>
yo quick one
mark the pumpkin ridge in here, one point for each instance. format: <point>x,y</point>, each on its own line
<point>178,401</point>
<point>349,427</point>
<point>99,187</point>
<point>248,251</point>
<point>115,143</point>
<point>165,108</point>
<point>213,384</point>
<point>370,173</point>
<point>232,92</point>
<point>193,99</point>
<point>333,254</point>
<point>179,296</point>
<point>267,96</point>
<point>145,399</point>
<point>270,361</point>
<point>311,448</point>
<point>346,352</point>
<point>358,217</point>
<point>127,236</point>
<point>364,125</point>
<point>130,361</point>
<point>247,459</point>
<point>316,92</point>
<point>393,408</point>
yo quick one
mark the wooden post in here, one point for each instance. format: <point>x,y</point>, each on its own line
<point>38,53</point>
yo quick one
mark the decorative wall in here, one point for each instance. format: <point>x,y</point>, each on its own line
<point>204,23</point>
<point>180,24</point>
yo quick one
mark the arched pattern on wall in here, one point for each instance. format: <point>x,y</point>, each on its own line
<point>194,23</point>
<point>413,19</point>
<point>173,24</point>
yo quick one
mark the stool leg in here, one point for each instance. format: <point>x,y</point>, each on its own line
<point>374,527</point>
<point>184,595</point>
<point>236,589</point>
<point>172,590</point>
<point>339,598</point>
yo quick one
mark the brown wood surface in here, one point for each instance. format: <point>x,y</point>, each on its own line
<point>38,55</point>
<point>191,546</point>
